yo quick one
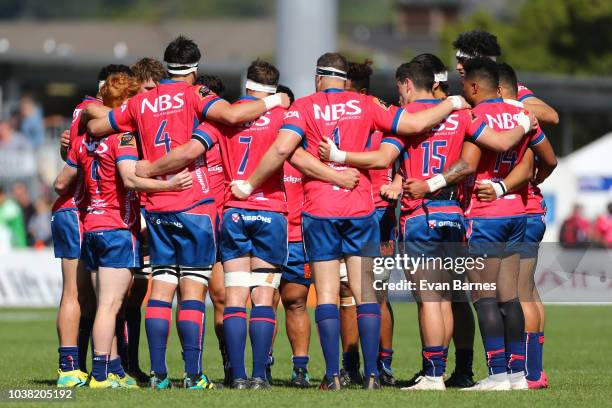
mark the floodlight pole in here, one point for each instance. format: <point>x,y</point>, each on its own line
<point>305,29</point>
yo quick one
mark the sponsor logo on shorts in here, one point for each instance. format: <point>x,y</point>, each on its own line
<point>257,217</point>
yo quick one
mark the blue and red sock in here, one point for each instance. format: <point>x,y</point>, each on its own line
<point>541,350</point>
<point>261,332</point>
<point>385,358</point>
<point>68,358</point>
<point>368,322</point>
<point>157,325</point>
<point>100,366</point>
<point>235,332</point>
<point>532,369</point>
<point>191,325</point>
<point>495,353</point>
<point>515,356</point>
<point>328,325</point>
<point>434,363</point>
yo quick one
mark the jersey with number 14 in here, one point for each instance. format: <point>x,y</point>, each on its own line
<point>500,116</point>
<point>242,148</point>
<point>348,118</point>
<point>165,118</point>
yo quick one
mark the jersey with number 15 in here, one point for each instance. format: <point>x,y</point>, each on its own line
<point>164,118</point>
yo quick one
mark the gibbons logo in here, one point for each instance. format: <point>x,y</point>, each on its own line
<point>257,217</point>
<point>450,224</point>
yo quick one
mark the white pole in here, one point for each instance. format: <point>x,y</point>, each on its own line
<point>305,29</point>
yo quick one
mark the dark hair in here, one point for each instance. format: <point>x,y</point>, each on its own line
<point>359,74</point>
<point>437,66</point>
<point>507,77</point>
<point>478,43</point>
<point>149,69</point>
<point>113,69</point>
<point>182,50</point>
<point>213,82</point>
<point>333,60</point>
<point>421,75</point>
<point>482,69</point>
<point>287,90</point>
<point>263,72</point>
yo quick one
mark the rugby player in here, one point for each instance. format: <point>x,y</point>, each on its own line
<point>543,164</point>
<point>438,218</point>
<point>249,229</point>
<point>148,72</point>
<point>495,228</point>
<point>77,306</point>
<point>480,43</point>
<point>339,223</point>
<point>181,225</point>
<point>111,225</point>
<point>385,194</point>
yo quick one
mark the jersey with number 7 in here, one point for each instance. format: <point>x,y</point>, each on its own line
<point>165,118</point>
<point>242,148</point>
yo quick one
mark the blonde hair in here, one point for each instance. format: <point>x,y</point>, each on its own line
<point>118,88</point>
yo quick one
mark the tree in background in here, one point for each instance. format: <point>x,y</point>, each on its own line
<point>549,36</point>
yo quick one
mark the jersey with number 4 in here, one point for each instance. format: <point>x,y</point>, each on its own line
<point>165,118</point>
<point>432,152</point>
<point>500,116</point>
<point>348,118</point>
<point>110,204</point>
<point>242,148</point>
<point>73,198</point>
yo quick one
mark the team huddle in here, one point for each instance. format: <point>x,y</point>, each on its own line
<point>252,202</point>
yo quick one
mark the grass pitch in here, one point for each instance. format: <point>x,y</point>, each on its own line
<point>578,361</point>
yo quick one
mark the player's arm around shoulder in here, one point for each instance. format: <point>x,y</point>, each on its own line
<point>235,114</point>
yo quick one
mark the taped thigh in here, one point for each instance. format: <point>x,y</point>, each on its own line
<point>167,274</point>
<point>201,275</point>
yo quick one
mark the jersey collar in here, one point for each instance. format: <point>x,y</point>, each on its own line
<point>248,98</point>
<point>492,100</point>
<point>90,98</point>
<point>433,100</point>
<point>168,81</point>
<point>332,90</point>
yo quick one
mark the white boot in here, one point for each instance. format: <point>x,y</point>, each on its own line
<point>518,381</point>
<point>496,382</point>
<point>428,383</point>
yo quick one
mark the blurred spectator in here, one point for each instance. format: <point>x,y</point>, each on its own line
<point>575,229</point>
<point>11,222</point>
<point>32,124</point>
<point>39,226</point>
<point>9,139</point>
<point>22,196</point>
<point>602,229</point>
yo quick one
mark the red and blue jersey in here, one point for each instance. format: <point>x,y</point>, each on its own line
<point>535,200</point>
<point>379,177</point>
<point>432,152</point>
<point>499,115</point>
<point>524,93</point>
<point>218,184</point>
<point>110,205</point>
<point>348,118</point>
<point>292,179</point>
<point>165,118</point>
<point>242,148</point>
<point>73,198</point>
